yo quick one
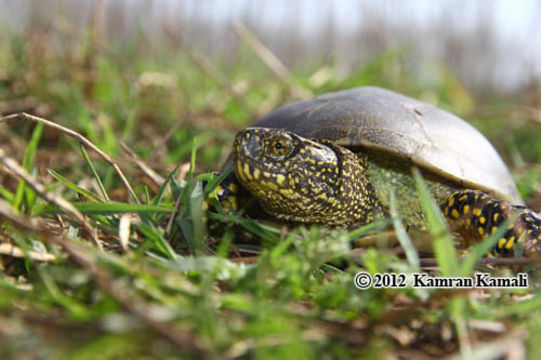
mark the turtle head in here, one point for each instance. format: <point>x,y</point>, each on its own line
<point>301,180</point>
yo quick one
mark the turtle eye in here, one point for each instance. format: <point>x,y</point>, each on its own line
<point>280,146</point>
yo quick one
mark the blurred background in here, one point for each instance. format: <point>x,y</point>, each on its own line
<point>155,74</point>
<point>489,45</point>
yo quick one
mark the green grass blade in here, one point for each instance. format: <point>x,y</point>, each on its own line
<point>196,215</point>
<point>28,163</point>
<point>190,216</point>
<point>444,247</point>
<point>155,236</point>
<point>130,123</point>
<point>147,195</point>
<point>213,180</point>
<point>104,208</point>
<point>73,186</point>
<point>110,140</point>
<point>161,190</point>
<point>402,235</point>
<point>225,244</point>
<point>94,172</point>
<point>6,194</point>
<point>366,229</point>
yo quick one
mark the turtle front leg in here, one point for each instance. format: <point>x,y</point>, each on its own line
<point>479,215</point>
<point>231,195</point>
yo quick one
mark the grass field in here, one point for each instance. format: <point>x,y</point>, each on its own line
<point>104,247</point>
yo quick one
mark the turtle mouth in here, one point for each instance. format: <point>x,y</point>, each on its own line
<point>250,172</point>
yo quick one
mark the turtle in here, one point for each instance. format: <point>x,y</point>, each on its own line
<point>335,159</point>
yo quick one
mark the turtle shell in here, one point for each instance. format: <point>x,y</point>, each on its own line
<point>423,134</point>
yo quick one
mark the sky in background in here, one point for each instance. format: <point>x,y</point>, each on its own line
<point>516,20</point>
<point>517,24</point>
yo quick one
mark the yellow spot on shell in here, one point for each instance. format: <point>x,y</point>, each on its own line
<point>266,174</point>
<point>466,209</point>
<point>451,201</point>
<point>480,230</point>
<point>476,212</point>
<point>257,173</point>
<point>463,197</point>
<point>280,179</point>
<point>455,214</point>
<point>501,242</point>
<point>510,243</point>
<point>495,216</point>
<point>482,219</point>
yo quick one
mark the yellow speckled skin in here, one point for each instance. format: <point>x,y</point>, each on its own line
<point>301,180</point>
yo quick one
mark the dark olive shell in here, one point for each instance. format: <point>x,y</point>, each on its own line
<point>427,136</point>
